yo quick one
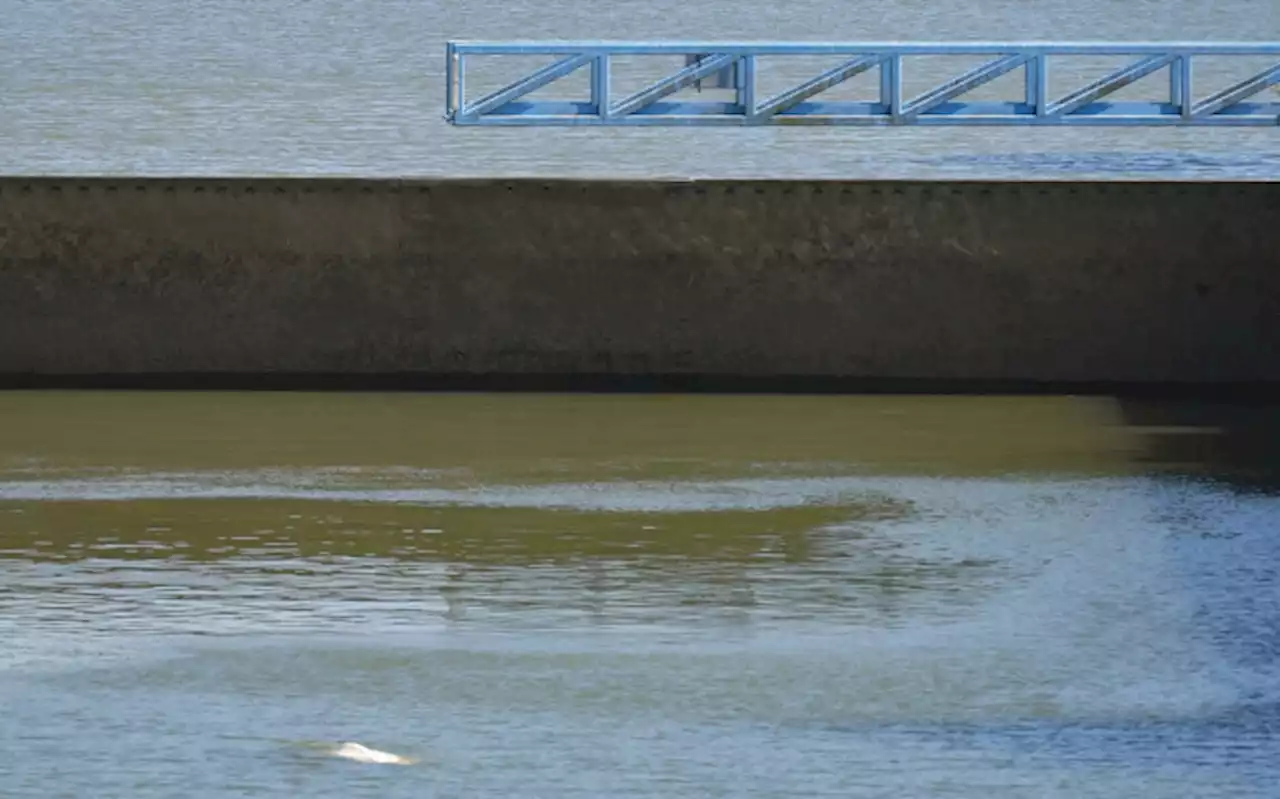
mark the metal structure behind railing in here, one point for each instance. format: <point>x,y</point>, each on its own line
<point>736,67</point>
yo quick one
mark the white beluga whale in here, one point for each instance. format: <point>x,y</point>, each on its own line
<point>363,754</point>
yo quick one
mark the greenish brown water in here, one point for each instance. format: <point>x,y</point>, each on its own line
<point>564,437</point>
<point>548,596</point>
<point>579,595</point>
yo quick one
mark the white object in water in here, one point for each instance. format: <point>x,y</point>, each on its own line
<point>363,754</point>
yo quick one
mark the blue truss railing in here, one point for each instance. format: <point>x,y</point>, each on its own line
<point>735,66</point>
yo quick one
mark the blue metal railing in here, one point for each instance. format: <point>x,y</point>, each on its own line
<point>736,66</point>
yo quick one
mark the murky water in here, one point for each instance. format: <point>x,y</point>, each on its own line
<point>650,596</point>
<point>613,596</point>
<point>350,87</point>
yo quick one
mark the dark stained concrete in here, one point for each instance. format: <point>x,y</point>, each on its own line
<point>943,283</point>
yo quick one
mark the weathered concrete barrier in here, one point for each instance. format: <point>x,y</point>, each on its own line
<point>966,282</point>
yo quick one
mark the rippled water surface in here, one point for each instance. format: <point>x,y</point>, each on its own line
<point>351,87</point>
<point>613,596</point>
<point>583,596</point>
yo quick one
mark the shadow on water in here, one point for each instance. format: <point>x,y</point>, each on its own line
<point>1235,443</point>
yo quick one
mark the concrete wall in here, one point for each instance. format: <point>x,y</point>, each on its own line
<point>1055,282</point>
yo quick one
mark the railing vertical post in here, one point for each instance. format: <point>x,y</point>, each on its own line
<point>1185,98</point>
<point>600,85</point>
<point>1037,84</point>
<point>1042,89</point>
<point>1032,73</point>
<point>453,97</point>
<point>747,85</point>
<point>1175,82</point>
<point>891,84</point>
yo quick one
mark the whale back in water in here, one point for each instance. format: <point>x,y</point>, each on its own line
<point>363,754</point>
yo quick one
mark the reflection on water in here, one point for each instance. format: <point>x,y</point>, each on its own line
<point>334,562</point>
<point>644,596</point>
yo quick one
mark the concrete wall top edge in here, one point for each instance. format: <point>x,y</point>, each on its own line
<point>18,184</point>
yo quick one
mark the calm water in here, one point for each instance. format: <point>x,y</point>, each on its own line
<point>354,87</point>
<point>646,596</point>
<point>613,596</point>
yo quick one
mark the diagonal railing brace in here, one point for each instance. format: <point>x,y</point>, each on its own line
<point>548,74</point>
<point>1234,94</point>
<point>964,83</point>
<point>832,77</point>
<point>1110,83</point>
<point>672,84</point>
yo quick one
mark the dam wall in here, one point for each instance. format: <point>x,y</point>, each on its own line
<point>948,282</point>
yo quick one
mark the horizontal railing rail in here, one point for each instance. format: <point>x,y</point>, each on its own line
<point>737,66</point>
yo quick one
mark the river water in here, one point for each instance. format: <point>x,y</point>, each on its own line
<point>595,596</point>
<point>648,596</point>
<point>351,87</point>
